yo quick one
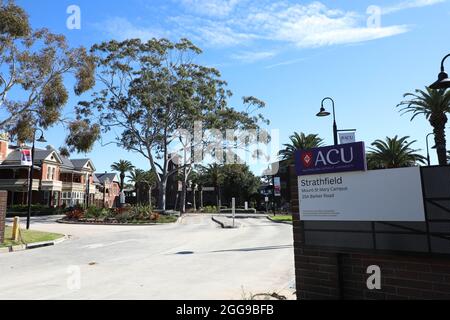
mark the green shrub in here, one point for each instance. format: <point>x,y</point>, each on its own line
<point>96,213</point>
<point>209,209</point>
<point>141,212</point>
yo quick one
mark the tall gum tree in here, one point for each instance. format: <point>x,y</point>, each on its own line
<point>150,91</point>
<point>33,67</point>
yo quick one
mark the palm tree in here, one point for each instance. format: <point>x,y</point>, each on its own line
<point>141,177</point>
<point>299,142</point>
<point>434,105</point>
<point>213,173</point>
<point>393,153</point>
<point>123,166</point>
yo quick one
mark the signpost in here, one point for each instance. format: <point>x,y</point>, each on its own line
<point>335,186</point>
<point>340,158</point>
<point>379,195</point>
<point>277,186</point>
<point>266,200</point>
<point>347,137</point>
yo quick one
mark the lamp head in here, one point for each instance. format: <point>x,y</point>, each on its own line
<point>443,81</point>
<point>323,113</point>
<point>41,139</point>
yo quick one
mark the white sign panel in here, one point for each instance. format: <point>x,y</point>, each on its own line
<point>348,137</point>
<point>378,195</point>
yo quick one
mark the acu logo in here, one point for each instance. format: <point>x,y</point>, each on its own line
<point>331,157</point>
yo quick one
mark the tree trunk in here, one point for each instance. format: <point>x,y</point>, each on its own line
<point>439,122</point>
<point>183,197</point>
<point>201,198</point>
<point>162,195</point>
<point>137,195</point>
<point>122,181</point>
<point>194,205</point>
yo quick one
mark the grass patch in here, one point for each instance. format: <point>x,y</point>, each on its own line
<point>28,236</point>
<point>166,219</point>
<point>282,218</point>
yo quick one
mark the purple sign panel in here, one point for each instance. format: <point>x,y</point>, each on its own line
<point>341,158</point>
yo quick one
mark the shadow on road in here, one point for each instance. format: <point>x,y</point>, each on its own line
<point>255,249</point>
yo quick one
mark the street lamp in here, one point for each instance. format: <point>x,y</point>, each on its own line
<point>443,81</point>
<point>30,181</point>
<point>324,113</point>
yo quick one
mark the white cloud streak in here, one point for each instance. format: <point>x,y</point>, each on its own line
<point>232,23</point>
<point>410,5</point>
<point>121,29</point>
<point>304,26</point>
<point>251,56</point>
<point>213,8</point>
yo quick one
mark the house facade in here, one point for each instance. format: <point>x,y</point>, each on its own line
<point>57,181</point>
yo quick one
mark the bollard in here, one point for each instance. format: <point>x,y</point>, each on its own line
<point>16,229</point>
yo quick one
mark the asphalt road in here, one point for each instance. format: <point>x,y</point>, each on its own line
<point>190,260</point>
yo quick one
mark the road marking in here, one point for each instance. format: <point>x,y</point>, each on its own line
<point>101,245</point>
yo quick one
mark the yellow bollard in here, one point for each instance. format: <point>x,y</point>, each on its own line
<point>15,230</point>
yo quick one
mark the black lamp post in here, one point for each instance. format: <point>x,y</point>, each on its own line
<point>324,113</point>
<point>443,81</point>
<point>30,181</point>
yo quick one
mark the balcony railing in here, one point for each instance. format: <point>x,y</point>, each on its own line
<point>18,184</point>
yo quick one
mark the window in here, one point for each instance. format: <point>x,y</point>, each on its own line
<point>51,173</point>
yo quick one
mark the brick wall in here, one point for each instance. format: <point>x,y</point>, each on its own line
<point>320,271</point>
<point>3,199</point>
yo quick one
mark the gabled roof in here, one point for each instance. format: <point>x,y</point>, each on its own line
<point>103,176</point>
<point>39,156</point>
<point>80,164</point>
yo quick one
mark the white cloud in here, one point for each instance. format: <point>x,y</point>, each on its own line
<point>122,28</point>
<point>232,23</point>
<point>214,8</point>
<point>409,5</point>
<point>311,25</point>
<point>251,56</point>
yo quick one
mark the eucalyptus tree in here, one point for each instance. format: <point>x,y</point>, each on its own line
<point>152,90</point>
<point>33,67</point>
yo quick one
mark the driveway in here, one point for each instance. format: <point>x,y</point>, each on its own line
<point>190,260</point>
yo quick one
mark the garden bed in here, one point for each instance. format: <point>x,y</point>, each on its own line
<point>137,215</point>
<point>163,220</point>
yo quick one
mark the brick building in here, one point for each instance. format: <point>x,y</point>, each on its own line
<point>57,181</point>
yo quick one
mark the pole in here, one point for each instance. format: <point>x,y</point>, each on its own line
<point>335,129</point>
<point>335,133</point>
<point>233,209</point>
<point>30,183</point>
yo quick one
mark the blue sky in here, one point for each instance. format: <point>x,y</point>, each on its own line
<point>291,54</point>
